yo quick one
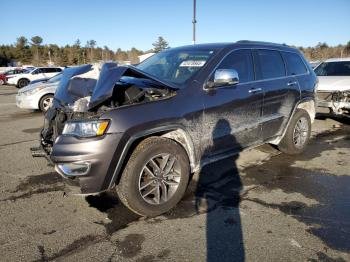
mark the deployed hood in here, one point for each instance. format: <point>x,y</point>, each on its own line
<point>333,83</point>
<point>97,81</point>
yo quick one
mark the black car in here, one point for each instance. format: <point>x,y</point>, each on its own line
<point>143,130</point>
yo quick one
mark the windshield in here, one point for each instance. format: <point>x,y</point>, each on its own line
<point>175,66</point>
<point>333,69</point>
<point>55,79</point>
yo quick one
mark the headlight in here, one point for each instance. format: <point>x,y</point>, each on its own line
<point>85,128</point>
<point>33,91</point>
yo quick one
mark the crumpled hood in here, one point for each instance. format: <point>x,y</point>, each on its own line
<point>333,83</point>
<point>99,86</point>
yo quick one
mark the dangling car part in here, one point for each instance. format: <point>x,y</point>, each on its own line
<point>333,90</point>
<point>337,101</point>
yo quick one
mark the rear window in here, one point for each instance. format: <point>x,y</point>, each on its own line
<point>333,69</point>
<point>295,66</point>
<point>50,70</point>
<point>271,64</point>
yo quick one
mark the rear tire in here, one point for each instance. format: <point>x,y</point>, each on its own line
<point>45,103</point>
<point>297,135</point>
<point>2,82</point>
<point>22,83</point>
<point>167,183</point>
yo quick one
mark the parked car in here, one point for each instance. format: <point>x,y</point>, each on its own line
<point>333,90</point>
<point>10,73</point>
<point>38,95</point>
<point>314,63</point>
<point>143,130</point>
<point>38,73</point>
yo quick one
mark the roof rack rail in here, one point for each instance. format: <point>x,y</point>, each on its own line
<point>259,42</point>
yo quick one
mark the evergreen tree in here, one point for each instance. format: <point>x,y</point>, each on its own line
<point>36,42</point>
<point>160,45</point>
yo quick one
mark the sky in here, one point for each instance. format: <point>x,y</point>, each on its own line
<point>137,23</point>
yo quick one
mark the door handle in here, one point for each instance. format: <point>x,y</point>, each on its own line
<point>255,90</point>
<point>291,83</point>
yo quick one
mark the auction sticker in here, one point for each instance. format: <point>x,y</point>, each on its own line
<point>192,63</point>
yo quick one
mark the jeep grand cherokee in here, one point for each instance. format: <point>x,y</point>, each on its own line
<point>143,130</point>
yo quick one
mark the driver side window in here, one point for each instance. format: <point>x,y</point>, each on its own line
<point>242,62</point>
<point>37,71</point>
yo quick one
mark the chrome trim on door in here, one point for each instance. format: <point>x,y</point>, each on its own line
<point>255,90</point>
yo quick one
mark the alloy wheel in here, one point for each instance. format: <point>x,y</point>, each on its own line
<point>159,179</point>
<point>300,132</point>
<point>47,103</point>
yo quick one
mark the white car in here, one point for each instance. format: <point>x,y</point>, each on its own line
<point>333,90</point>
<point>38,95</point>
<point>22,80</point>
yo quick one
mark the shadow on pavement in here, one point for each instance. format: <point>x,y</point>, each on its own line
<point>220,192</point>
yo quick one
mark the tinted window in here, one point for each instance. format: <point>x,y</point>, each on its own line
<point>295,65</point>
<point>37,71</point>
<point>271,64</point>
<point>49,70</point>
<point>241,61</point>
<point>10,72</point>
<point>333,69</point>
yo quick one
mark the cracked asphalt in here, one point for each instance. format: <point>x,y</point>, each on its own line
<point>258,206</point>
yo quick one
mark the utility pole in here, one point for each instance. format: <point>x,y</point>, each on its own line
<point>194,21</point>
<point>50,57</point>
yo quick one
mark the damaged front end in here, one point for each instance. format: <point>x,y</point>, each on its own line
<point>84,94</point>
<point>338,102</point>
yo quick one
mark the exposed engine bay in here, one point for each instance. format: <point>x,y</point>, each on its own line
<point>86,92</point>
<point>337,101</point>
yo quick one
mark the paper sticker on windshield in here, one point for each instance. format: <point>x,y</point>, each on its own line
<point>192,63</point>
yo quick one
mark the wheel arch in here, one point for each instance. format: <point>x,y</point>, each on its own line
<point>309,107</point>
<point>308,104</point>
<point>22,78</point>
<point>175,133</point>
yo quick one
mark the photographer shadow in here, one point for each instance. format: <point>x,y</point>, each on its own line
<point>218,193</point>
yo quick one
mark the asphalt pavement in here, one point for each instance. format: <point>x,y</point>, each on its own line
<point>259,206</point>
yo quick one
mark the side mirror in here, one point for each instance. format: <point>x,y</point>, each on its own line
<point>224,77</point>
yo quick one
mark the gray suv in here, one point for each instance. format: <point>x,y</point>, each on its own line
<point>143,130</point>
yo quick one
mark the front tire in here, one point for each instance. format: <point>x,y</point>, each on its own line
<point>297,135</point>
<point>22,83</point>
<point>45,103</point>
<point>2,82</point>
<point>155,177</point>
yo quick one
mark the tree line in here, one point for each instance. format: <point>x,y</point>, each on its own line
<point>34,52</point>
<point>323,51</point>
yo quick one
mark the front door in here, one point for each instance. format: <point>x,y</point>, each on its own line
<point>232,114</point>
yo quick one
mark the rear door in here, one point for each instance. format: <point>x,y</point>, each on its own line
<point>297,68</point>
<point>232,114</point>
<point>280,91</point>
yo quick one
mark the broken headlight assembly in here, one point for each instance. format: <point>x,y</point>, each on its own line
<point>88,128</point>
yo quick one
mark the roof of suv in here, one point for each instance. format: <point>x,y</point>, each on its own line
<point>232,44</point>
<point>344,59</point>
<point>48,67</point>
